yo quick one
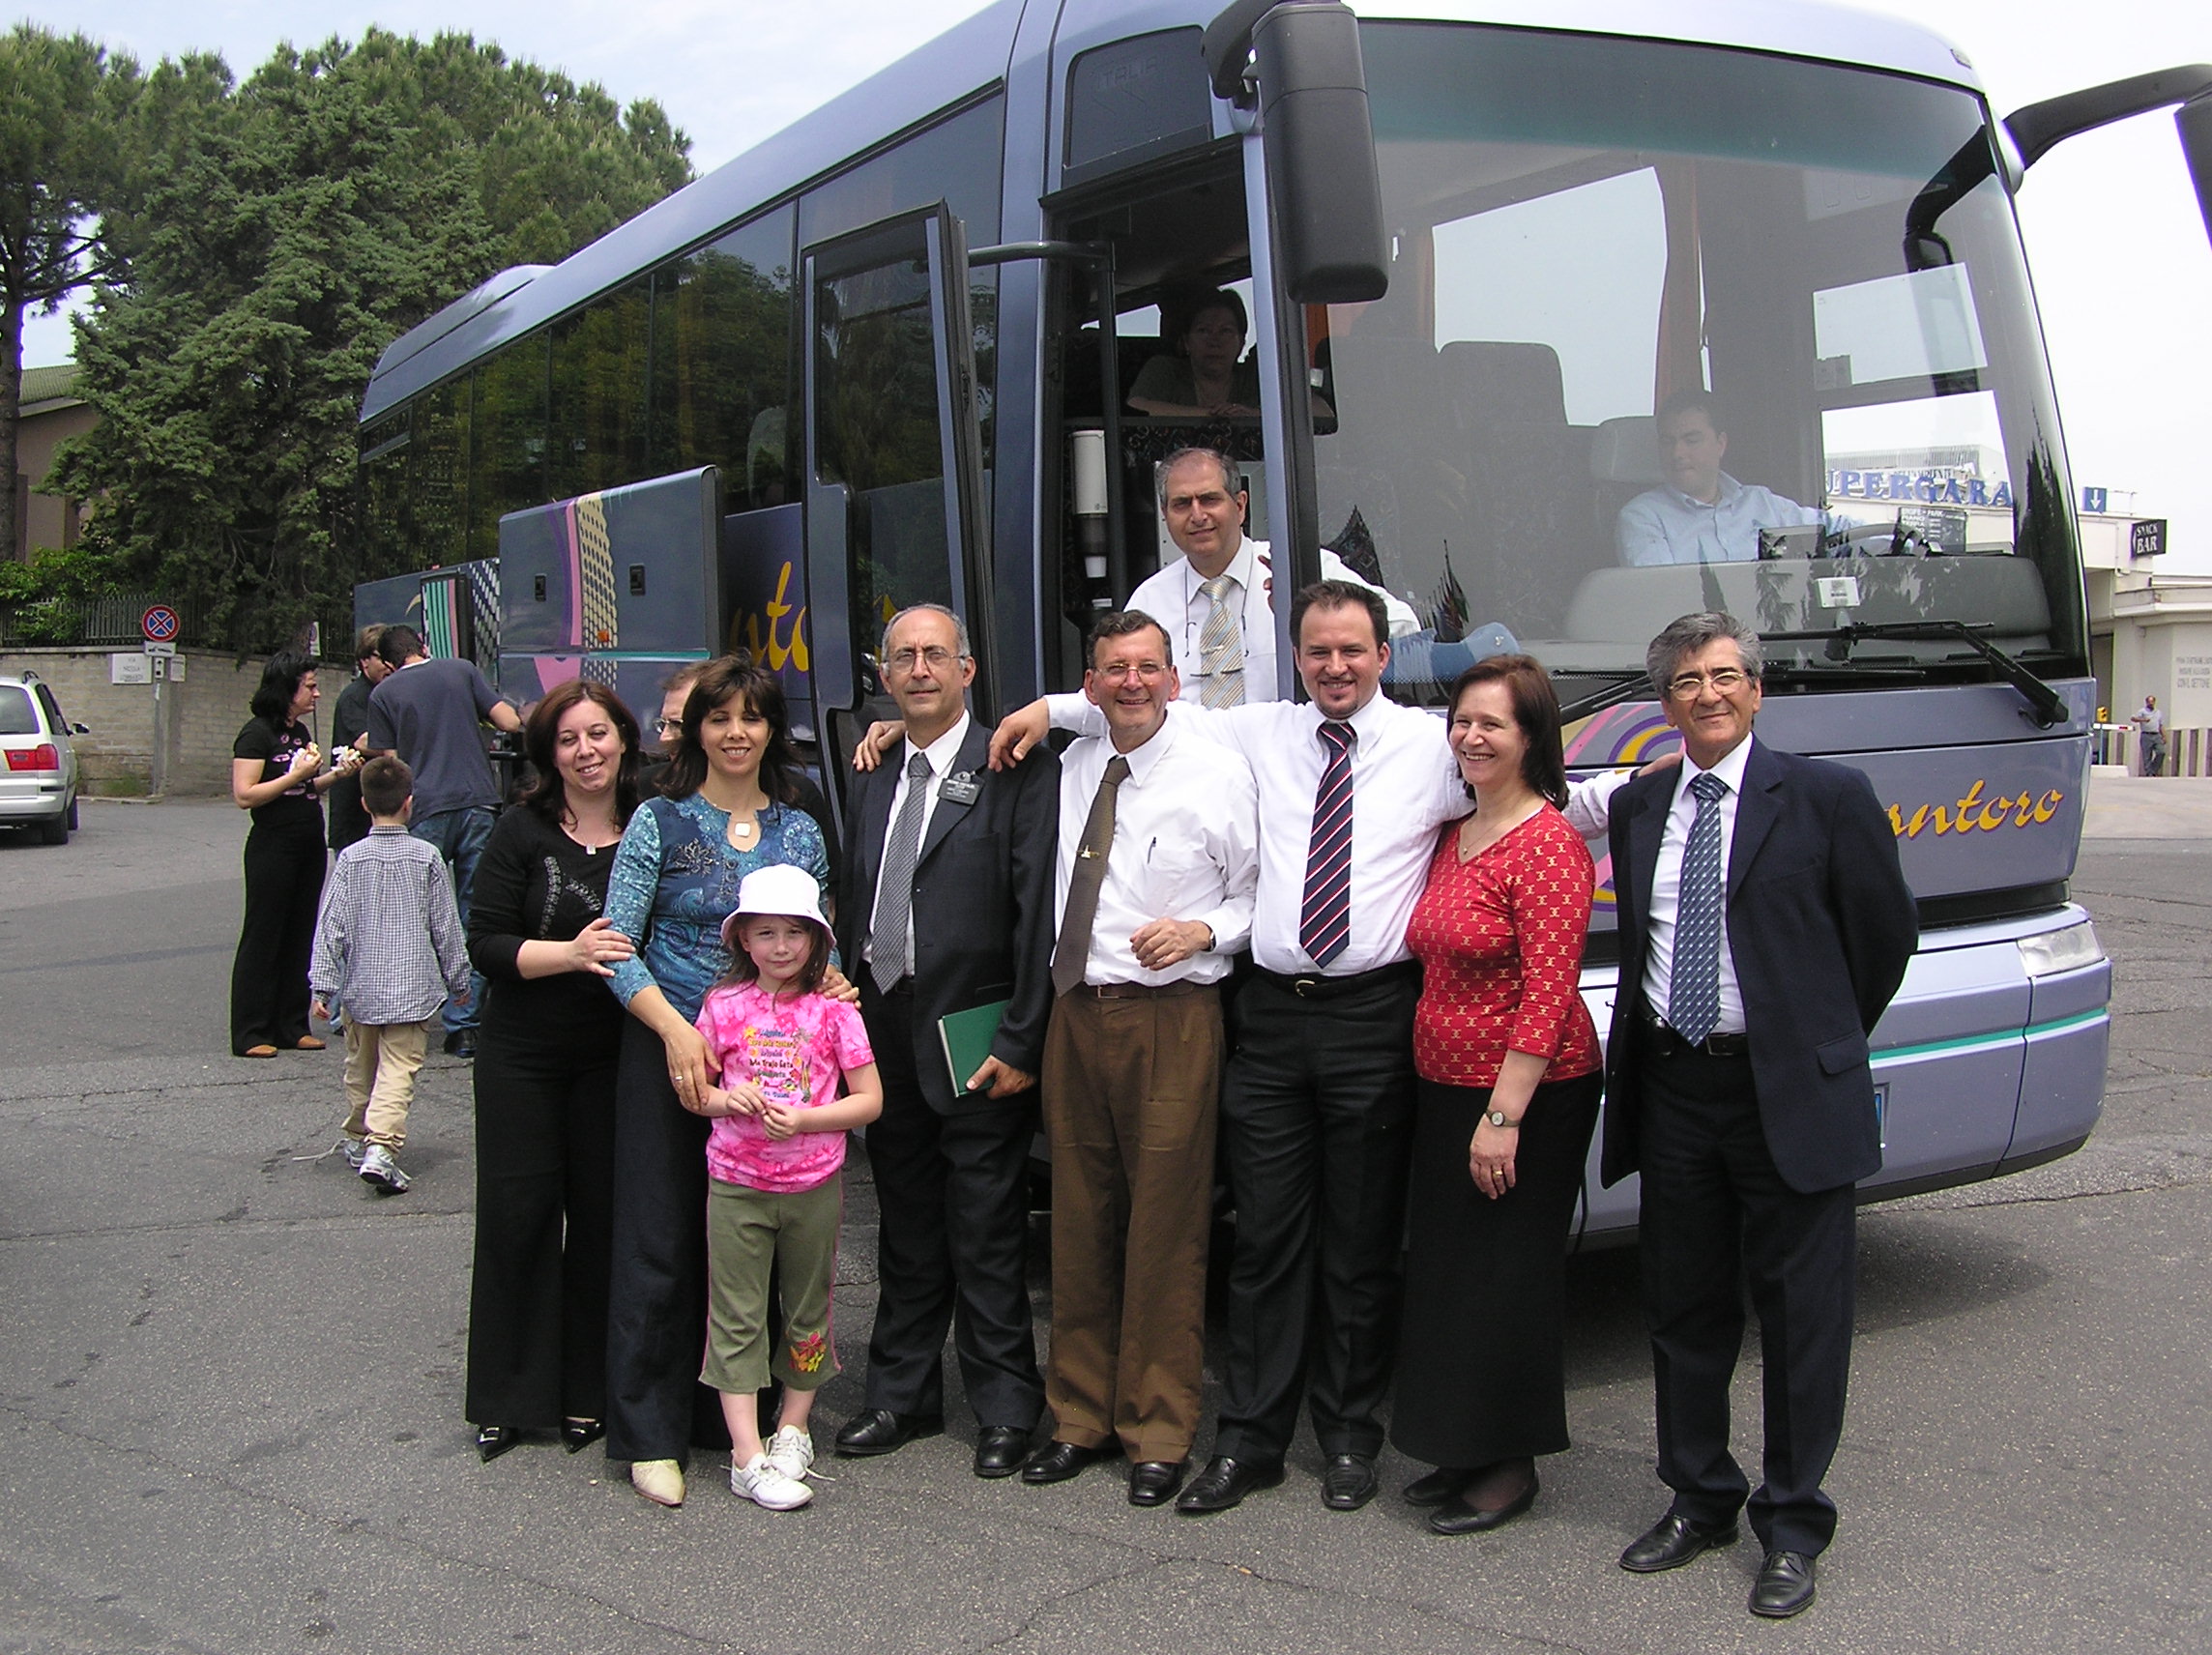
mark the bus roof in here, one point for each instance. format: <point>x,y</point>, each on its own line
<point>973,56</point>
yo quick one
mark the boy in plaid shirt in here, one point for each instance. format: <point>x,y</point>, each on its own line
<point>389,941</point>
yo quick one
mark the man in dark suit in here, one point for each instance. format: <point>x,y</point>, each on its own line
<point>1764,924</point>
<point>946,905</point>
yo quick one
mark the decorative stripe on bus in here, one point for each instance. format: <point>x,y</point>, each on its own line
<point>2005,1037</point>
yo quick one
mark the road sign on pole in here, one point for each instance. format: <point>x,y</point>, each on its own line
<point>160,624</point>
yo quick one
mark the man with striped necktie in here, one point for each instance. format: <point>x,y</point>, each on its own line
<point>1215,600</point>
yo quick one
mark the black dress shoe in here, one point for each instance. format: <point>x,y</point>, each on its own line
<point>493,1440</point>
<point>461,1043</point>
<point>1784,1586</point>
<point>1348,1482</point>
<point>1445,1483</point>
<point>1057,1462</point>
<point>1456,1517</point>
<point>580,1434</point>
<point>1154,1482</point>
<point>1001,1449</point>
<point>879,1431</point>
<point>1673,1541</point>
<point>1224,1483</point>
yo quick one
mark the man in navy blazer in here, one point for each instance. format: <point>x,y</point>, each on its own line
<point>1764,924</point>
<point>945,905</point>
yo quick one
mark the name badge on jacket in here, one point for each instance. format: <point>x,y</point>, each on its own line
<point>963,789</point>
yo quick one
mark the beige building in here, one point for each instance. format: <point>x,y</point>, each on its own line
<point>2150,633</point>
<point>50,412</point>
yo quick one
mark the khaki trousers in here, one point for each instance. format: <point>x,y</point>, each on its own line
<point>381,1061</point>
<point>1131,1087</point>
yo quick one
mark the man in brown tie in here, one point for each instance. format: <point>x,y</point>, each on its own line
<point>1157,864</point>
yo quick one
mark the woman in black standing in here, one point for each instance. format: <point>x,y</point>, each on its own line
<point>546,1076</point>
<point>277,773</point>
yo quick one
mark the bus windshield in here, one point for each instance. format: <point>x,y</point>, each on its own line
<point>1674,328</point>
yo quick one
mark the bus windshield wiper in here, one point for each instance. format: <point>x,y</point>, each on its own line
<point>1627,685</point>
<point>2047,707</point>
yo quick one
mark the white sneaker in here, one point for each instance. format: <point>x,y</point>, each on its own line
<point>761,1482</point>
<point>355,1151</point>
<point>790,1451</point>
<point>378,1168</point>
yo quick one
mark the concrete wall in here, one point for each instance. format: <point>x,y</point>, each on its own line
<point>198,718</point>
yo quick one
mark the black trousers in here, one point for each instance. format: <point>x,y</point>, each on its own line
<point>1714,1212</point>
<point>657,1289</point>
<point>1482,1367</point>
<point>952,1242</point>
<point>1316,1125</point>
<point>537,1298</point>
<point>269,978</point>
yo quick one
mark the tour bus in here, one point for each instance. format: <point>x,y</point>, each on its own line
<point>885,357</point>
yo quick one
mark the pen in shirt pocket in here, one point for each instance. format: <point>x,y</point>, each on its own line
<point>1150,849</point>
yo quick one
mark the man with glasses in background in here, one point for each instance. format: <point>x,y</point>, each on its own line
<point>1215,600</point>
<point>1764,924</point>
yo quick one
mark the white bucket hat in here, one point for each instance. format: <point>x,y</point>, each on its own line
<point>779,890</point>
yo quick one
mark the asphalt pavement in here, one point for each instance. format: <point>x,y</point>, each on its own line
<point>231,1377</point>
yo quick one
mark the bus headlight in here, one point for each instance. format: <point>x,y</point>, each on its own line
<point>2066,949</point>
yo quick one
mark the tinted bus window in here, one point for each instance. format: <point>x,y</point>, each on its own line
<point>509,472</point>
<point>722,362</point>
<point>437,474</point>
<point>598,427</point>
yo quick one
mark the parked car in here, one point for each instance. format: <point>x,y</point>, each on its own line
<point>37,763</point>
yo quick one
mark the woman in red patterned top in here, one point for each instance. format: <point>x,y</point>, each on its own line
<point>1509,1082</point>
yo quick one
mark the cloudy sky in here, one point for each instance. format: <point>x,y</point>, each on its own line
<point>2118,250</point>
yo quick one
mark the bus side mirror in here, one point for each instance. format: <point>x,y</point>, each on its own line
<point>1323,183</point>
<point>2194,120</point>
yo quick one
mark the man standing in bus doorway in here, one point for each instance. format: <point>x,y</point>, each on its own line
<point>1701,515</point>
<point>1158,859</point>
<point>1215,600</point>
<point>2148,720</point>
<point>1764,924</point>
<point>431,713</point>
<point>946,907</point>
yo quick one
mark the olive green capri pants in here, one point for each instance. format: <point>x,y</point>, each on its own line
<point>748,1231</point>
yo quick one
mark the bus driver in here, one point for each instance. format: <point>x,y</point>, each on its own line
<point>1701,515</point>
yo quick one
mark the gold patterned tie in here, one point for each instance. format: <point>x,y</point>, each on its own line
<point>1221,648</point>
<point>1072,953</point>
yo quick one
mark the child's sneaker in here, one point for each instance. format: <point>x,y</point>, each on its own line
<point>378,1168</point>
<point>790,1451</point>
<point>760,1481</point>
<point>355,1151</point>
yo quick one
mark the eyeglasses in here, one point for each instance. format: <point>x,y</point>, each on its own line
<point>937,656</point>
<point>667,727</point>
<point>1689,685</point>
<point>1120,671</point>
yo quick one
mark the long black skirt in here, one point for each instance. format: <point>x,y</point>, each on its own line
<point>1481,1364</point>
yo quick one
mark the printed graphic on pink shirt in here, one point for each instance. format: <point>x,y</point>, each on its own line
<point>794,1049</point>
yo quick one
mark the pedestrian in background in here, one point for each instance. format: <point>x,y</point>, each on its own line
<point>277,773</point>
<point>431,712</point>
<point>2151,722</point>
<point>390,941</point>
<point>349,722</point>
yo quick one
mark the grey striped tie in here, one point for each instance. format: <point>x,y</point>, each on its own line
<point>894,894</point>
<point>1220,648</point>
<point>1694,987</point>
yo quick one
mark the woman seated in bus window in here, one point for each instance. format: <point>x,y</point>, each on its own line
<point>1202,377</point>
<point>1509,1077</point>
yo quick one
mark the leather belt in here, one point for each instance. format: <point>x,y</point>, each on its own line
<point>1142,991</point>
<point>1712,1046</point>
<point>1312,985</point>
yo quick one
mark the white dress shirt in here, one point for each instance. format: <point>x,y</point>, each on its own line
<point>1666,886</point>
<point>941,754</point>
<point>1176,597</point>
<point>1185,847</point>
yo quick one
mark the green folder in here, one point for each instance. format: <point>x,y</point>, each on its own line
<point>967,1037</point>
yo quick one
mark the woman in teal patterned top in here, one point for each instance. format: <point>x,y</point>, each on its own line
<point>726,808</point>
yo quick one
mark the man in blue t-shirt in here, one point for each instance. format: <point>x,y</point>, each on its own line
<point>431,712</point>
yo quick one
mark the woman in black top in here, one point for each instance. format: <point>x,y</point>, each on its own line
<point>546,1076</point>
<point>277,773</point>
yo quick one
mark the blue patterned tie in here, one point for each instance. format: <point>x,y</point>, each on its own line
<point>1325,921</point>
<point>1694,989</point>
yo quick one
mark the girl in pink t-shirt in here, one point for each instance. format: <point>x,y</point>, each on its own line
<point>775,1197</point>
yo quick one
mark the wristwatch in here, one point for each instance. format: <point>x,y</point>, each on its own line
<point>1498,1118</point>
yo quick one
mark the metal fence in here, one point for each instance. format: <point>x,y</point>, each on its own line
<point>116,619</point>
